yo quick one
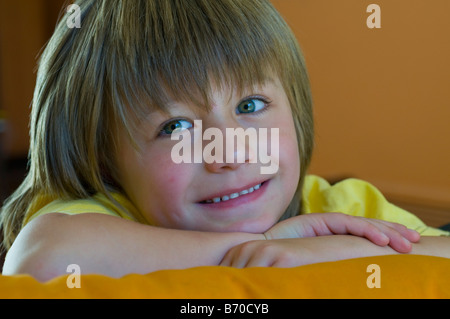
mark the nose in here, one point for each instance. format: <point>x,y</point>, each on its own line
<point>226,149</point>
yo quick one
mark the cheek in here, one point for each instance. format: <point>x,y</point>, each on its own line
<point>289,150</point>
<point>167,186</point>
<point>289,158</point>
<point>155,184</point>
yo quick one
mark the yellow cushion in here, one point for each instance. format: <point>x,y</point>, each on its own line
<point>400,276</point>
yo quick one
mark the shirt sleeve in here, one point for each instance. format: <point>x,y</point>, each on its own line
<point>359,198</point>
<point>98,204</point>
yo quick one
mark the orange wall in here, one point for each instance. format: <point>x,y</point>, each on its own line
<point>20,31</point>
<point>382,96</point>
<point>25,27</point>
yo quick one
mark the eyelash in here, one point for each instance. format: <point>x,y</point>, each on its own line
<point>162,126</point>
<point>267,103</point>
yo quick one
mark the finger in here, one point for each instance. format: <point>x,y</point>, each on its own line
<point>233,258</point>
<point>239,256</point>
<point>410,234</point>
<point>396,234</point>
<point>359,226</point>
<point>226,260</point>
<point>259,260</point>
<point>398,242</point>
<point>379,232</point>
<point>262,255</point>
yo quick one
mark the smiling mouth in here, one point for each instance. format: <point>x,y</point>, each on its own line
<point>231,196</point>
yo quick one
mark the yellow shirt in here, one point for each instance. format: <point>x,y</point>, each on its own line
<point>352,196</point>
<point>98,203</point>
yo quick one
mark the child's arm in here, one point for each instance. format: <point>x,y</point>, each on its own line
<point>115,247</point>
<point>302,251</point>
<point>111,246</point>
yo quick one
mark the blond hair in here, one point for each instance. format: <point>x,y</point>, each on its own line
<point>128,57</point>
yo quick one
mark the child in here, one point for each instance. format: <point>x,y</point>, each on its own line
<point>109,97</point>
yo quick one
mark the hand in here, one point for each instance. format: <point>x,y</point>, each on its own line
<point>380,232</point>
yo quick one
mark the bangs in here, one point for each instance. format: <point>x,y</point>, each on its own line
<point>170,50</point>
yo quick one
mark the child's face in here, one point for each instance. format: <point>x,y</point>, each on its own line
<point>184,196</point>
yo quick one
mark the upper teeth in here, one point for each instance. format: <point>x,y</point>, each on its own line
<point>233,195</point>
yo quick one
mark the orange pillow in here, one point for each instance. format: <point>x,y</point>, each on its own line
<point>399,276</point>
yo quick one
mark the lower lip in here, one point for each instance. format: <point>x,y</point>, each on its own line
<point>243,199</point>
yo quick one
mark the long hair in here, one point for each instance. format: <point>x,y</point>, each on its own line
<point>131,56</point>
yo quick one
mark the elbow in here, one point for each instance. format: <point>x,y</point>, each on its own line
<point>39,250</point>
<point>43,264</point>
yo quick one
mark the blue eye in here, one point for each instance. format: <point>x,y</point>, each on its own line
<point>175,125</point>
<point>250,106</point>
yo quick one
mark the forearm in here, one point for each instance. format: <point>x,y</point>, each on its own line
<point>432,246</point>
<point>112,246</point>
<point>293,252</point>
<point>339,247</point>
